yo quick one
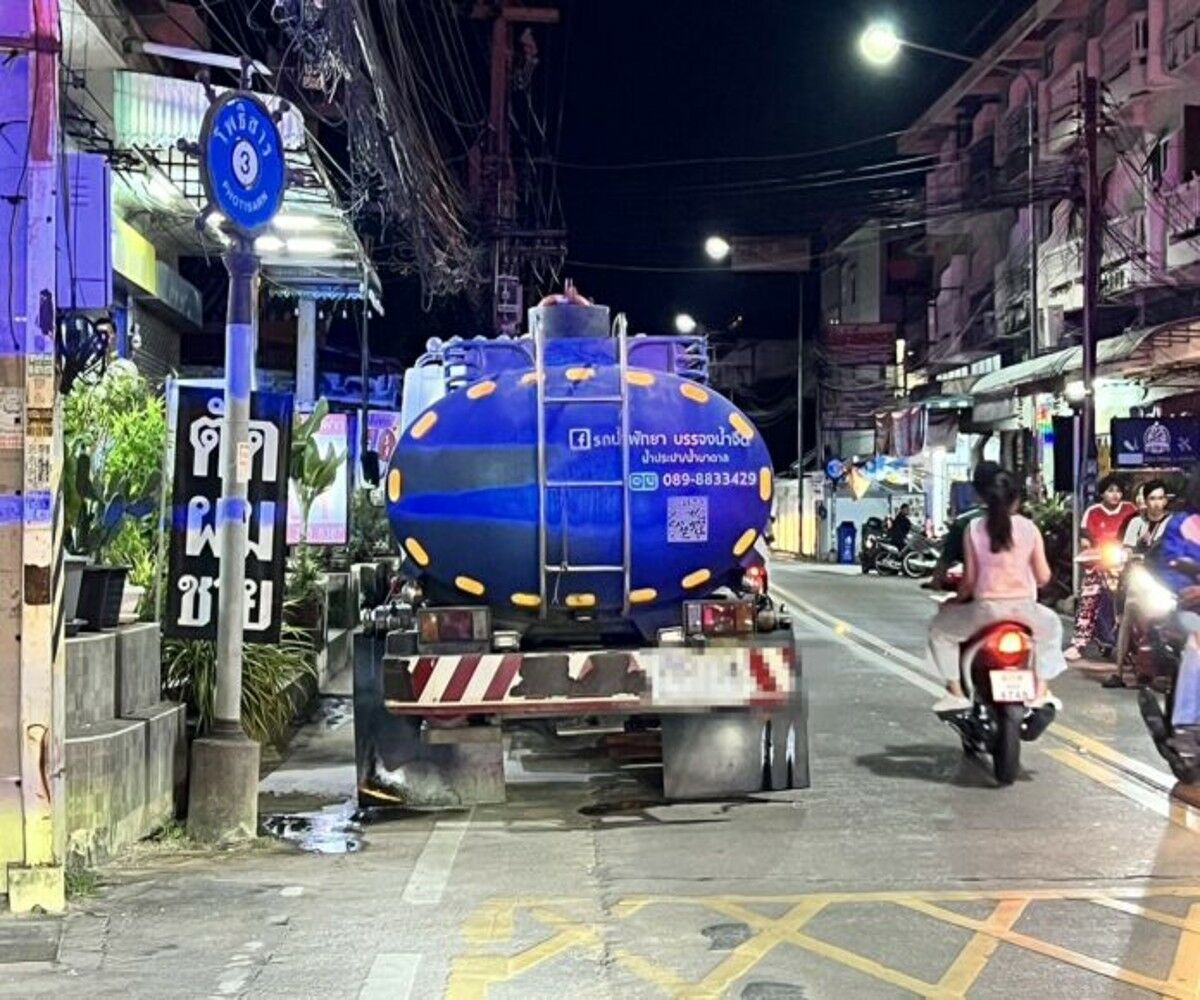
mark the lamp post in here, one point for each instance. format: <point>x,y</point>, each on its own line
<point>719,249</point>
<point>880,46</point>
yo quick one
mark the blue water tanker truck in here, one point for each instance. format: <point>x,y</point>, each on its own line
<point>583,526</point>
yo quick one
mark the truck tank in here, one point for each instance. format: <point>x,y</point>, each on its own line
<point>580,485</point>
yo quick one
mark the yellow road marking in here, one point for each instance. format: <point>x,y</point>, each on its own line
<point>974,957</point>
<point>1185,969</point>
<point>749,953</point>
<point>471,975</point>
<point>1153,800</point>
<point>654,972</point>
<point>1048,950</point>
<point>1137,910</point>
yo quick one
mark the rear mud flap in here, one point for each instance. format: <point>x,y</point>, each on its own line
<point>398,767</point>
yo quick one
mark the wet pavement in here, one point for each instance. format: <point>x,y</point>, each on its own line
<point>902,871</point>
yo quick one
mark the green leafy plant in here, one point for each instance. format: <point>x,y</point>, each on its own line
<point>115,431</point>
<point>370,532</point>
<point>97,506</point>
<point>312,473</point>
<point>1053,516</point>
<point>270,675</point>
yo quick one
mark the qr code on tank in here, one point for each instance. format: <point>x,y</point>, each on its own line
<point>687,519</point>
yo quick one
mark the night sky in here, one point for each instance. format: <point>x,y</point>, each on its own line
<point>650,80</point>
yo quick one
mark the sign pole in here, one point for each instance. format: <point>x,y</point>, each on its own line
<point>232,510</point>
<point>244,175</point>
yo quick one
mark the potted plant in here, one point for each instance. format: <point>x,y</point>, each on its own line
<point>95,518</point>
<point>115,433</point>
<point>312,473</point>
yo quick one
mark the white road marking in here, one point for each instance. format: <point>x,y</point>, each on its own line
<point>912,669</point>
<point>893,661</point>
<point>431,873</point>
<point>391,977</point>
<point>292,890</point>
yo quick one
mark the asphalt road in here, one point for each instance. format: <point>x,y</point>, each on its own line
<point>902,871</point>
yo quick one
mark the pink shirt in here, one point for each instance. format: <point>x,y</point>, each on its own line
<point>1007,575</point>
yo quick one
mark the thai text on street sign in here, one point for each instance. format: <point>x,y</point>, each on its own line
<point>195,540</point>
<point>241,161</point>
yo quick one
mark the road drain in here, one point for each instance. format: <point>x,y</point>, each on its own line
<point>332,830</point>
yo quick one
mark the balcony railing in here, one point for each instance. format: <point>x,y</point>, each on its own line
<point>1123,53</point>
<point>1183,34</point>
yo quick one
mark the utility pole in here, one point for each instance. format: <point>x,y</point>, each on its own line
<point>1093,247</point>
<point>32,650</point>
<point>496,184</point>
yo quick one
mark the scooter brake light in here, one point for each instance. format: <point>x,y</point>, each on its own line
<point>1010,643</point>
<point>755,579</point>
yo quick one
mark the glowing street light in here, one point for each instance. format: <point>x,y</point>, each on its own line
<point>717,247</point>
<point>685,323</point>
<point>879,44</point>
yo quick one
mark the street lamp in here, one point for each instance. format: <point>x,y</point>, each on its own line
<point>717,247</point>
<point>879,45</point>
<point>685,323</point>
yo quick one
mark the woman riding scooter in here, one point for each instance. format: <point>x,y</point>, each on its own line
<point>1005,565</point>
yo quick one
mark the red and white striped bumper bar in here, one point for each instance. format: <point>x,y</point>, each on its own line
<point>630,681</point>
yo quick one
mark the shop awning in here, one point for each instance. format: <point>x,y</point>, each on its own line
<point>1135,352</point>
<point>312,249</point>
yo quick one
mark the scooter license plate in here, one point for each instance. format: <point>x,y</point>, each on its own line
<point>1012,686</point>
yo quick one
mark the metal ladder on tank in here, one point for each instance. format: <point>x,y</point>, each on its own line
<point>546,484</point>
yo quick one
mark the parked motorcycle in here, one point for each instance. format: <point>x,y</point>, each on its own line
<point>920,556</point>
<point>998,672</point>
<point>872,532</point>
<point>1162,654</point>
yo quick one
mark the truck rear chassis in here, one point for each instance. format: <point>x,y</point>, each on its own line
<point>428,728</point>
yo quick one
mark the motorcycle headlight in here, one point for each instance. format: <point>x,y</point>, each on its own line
<point>868,543</point>
<point>1152,597</point>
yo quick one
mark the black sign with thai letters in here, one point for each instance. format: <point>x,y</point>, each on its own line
<point>195,564</point>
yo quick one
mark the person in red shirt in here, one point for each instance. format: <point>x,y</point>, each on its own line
<point>1103,524</point>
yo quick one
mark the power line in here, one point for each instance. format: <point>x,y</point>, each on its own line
<point>710,160</point>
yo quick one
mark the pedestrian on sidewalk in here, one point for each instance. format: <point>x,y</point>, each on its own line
<point>1005,566</point>
<point>1103,524</point>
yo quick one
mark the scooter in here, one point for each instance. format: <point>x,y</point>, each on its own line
<point>920,557</point>
<point>872,532</point>
<point>998,671</point>
<point>1109,561</point>
<point>1164,645</point>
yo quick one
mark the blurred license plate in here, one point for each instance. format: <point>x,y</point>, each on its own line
<point>1010,686</point>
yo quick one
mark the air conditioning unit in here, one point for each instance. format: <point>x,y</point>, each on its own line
<point>84,239</point>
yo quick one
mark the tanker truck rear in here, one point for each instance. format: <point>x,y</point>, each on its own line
<point>582,522</point>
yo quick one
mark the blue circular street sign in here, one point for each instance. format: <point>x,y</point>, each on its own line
<point>241,161</point>
<point>835,469</point>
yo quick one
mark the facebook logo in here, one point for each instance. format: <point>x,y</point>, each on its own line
<point>580,438</point>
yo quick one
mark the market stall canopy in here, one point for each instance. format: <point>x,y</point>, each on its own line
<point>1135,352</point>
<point>310,249</point>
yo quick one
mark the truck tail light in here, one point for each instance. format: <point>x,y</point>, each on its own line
<point>718,618</point>
<point>436,626</point>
